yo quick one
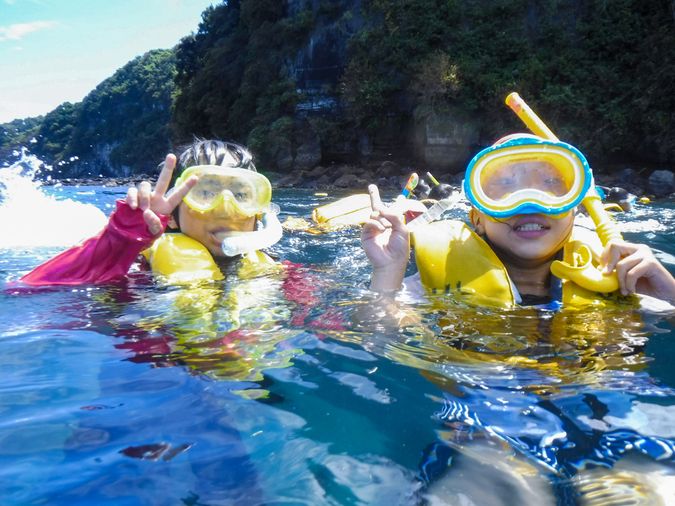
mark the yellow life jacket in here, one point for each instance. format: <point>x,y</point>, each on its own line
<point>180,260</point>
<point>207,320</point>
<point>452,258</point>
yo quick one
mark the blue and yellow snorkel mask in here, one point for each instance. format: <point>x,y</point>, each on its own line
<point>525,174</point>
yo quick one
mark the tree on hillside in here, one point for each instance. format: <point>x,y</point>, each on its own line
<point>124,122</point>
<point>232,76</point>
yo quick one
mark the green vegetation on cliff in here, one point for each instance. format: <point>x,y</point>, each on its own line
<point>233,81</point>
<point>600,72</point>
<point>125,120</point>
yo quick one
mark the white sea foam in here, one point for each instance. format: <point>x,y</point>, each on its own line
<point>31,218</point>
<point>649,225</point>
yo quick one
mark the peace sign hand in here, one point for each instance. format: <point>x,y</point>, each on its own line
<point>157,202</point>
<point>386,242</point>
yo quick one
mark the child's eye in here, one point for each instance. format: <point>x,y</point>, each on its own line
<point>240,196</point>
<point>555,184</point>
<point>204,192</point>
<point>506,181</point>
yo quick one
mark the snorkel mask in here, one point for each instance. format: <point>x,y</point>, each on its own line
<point>525,174</point>
<point>227,189</point>
<point>235,191</point>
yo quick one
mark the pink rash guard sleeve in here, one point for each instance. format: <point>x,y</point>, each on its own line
<point>102,258</point>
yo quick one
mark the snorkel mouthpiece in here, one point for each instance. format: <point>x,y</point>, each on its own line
<point>268,234</point>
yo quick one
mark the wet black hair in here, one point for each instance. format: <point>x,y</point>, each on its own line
<point>215,152</point>
<point>615,194</point>
<point>618,195</point>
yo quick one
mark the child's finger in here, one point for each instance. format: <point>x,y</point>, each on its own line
<point>623,269</point>
<point>164,178</point>
<point>611,256</point>
<point>144,194</point>
<point>132,197</point>
<point>392,219</point>
<point>372,228</point>
<point>180,191</point>
<point>375,200</point>
<point>152,221</point>
<point>633,276</point>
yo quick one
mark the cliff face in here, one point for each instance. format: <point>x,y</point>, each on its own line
<point>425,80</point>
<point>439,138</point>
<point>316,69</point>
<point>319,65</point>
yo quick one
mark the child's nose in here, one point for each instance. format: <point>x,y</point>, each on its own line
<point>224,207</point>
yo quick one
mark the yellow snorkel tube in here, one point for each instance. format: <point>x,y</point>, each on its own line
<point>578,265</point>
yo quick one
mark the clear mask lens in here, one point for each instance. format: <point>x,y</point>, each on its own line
<point>227,189</point>
<point>509,178</point>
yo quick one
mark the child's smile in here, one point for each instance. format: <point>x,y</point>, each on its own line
<point>211,228</point>
<point>531,238</point>
<point>530,227</point>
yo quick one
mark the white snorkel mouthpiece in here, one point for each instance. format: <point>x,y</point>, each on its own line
<point>269,233</point>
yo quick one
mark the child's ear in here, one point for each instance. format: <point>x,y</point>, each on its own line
<point>172,223</point>
<point>474,217</point>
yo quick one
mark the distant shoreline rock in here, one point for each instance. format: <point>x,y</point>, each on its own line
<point>109,182</point>
<point>390,175</point>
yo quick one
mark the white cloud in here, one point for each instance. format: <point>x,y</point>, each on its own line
<point>19,30</point>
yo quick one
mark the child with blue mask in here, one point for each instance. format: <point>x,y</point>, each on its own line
<point>524,191</point>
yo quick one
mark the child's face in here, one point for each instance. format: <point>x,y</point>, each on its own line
<point>212,227</point>
<point>528,239</point>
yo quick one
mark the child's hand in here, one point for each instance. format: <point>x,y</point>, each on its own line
<point>157,202</point>
<point>638,270</point>
<point>386,241</point>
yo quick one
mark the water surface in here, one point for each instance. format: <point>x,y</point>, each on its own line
<point>138,393</point>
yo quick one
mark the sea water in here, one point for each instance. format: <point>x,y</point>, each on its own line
<point>308,390</point>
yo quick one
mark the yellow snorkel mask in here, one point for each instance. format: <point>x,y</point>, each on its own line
<point>231,190</point>
<point>525,174</point>
<point>234,190</point>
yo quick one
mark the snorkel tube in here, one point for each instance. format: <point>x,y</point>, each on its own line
<point>268,234</point>
<point>576,267</point>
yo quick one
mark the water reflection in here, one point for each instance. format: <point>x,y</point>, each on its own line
<point>534,399</point>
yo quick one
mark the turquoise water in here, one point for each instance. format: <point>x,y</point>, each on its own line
<point>139,394</point>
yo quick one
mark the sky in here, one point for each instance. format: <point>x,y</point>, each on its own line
<point>55,51</point>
